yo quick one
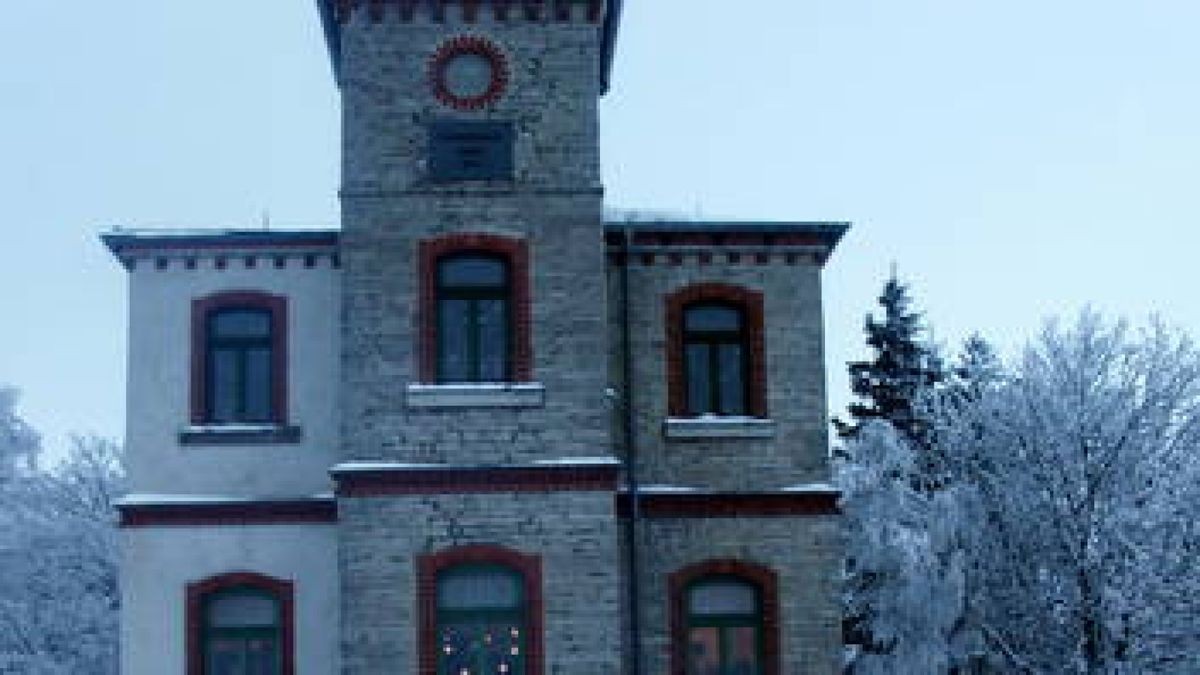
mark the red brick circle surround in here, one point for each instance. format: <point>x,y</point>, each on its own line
<point>762,577</point>
<point>516,252</point>
<point>281,589</point>
<point>474,45</point>
<point>751,304</point>
<point>428,567</point>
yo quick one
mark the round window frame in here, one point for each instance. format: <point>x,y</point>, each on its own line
<point>474,46</point>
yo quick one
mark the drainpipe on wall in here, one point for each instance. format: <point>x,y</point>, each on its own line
<point>631,552</point>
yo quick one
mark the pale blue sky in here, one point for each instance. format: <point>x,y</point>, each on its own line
<point>1015,159</point>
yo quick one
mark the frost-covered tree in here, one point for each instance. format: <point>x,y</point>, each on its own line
<point>1086,474</point>
<point>903,365</point>
<point>19,443</point>
<point>58,565</point>
<point>904,573</point>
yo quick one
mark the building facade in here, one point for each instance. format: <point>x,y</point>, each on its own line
<point>477,428</point>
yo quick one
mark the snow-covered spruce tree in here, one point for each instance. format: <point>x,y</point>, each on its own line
<point>58,565</point>
<point>1080,478</point>
<point>902,368</point>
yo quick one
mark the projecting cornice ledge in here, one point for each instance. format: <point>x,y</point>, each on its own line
<point>202,510</point>
<point>690,503</point>
<point>379,479</point>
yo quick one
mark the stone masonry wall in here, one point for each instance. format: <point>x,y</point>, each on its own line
<point>382,536</point>
<point>803,552</point>
<point>795,376</point>
<point>554,205</point>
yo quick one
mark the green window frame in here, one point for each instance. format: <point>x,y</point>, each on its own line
<point>724,627</point>
<point>245,645</point>
<point>716,357</point>
<point>482,620</point>
<point>474,318</point>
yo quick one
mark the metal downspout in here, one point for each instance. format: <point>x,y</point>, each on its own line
<point>635,634</point>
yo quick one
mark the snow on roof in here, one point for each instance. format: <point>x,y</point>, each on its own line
<point>155,499</point>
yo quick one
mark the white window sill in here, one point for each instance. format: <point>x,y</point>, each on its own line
<point>717,427</point>
<point>239,434</point>
<point>476,395</point>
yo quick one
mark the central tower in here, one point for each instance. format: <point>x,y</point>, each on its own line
<point>476,488</point>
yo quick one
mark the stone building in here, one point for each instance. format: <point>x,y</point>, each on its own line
<point>478,429</point>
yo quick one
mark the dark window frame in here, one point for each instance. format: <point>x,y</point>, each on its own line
<point>431,566</point>
<point>204,310</point>
<point>199,594</point>
<point>724,622</point>
<point>475,295</point>
<point>712,341</point>
<point>760,577</point>
<point>750,304</point>
<point>516,253</point>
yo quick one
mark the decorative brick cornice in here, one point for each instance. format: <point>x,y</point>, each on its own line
<point>282,590</point>
<point>516,253</point>
<point>231,513</point>
<point>468,11</point>
<point>751,304</point>
<point>731,504</point>
<point>434,479</point>
<point>528,566</point>
<point>762,577</point>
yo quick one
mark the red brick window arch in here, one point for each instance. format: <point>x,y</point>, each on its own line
<point>239,358</point>
<point>480,609</point>
<point>724,618</point>
<point>474,317</point>
<point>716,360</point>
<point>241,622</point>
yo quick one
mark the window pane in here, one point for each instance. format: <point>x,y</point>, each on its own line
<point>704,651</point>
<point>242,610</point>
<point>454,344</point>
<point>472,271</point>
<point>241,323</point>
<point>262,657</point>
<point>493,340</point>
<point>257,386</point>
<point>225,656</point>
<point>732,387</point>
<point>712,318</point>
<point>699,382</point>
<point>722,597</point>
<point>479,589</point>
<point>743,658</point>
<point>223,385</point>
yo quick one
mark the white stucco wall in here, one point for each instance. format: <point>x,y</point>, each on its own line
<point>160,371</point>
<point>158,563</point>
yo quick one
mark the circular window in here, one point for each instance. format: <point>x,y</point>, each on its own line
<point>468,73</point>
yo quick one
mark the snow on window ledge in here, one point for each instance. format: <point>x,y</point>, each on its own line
<point>239,433</point>
<point>476,395</point>
<point>717,427</point>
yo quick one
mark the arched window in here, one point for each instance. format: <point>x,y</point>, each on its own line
<point>715,351</point>
<point>239,358</point>
<point>474,318</point>
<point>724,619</point>
<point>724,627</point>
<point>474,314</point>
<point>716,359</point>
<point>240,624</point>
<point>480,612</point>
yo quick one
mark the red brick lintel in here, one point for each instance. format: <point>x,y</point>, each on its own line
<point>232,513</point>
<point>425,480</point>
<point>731,504</point>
